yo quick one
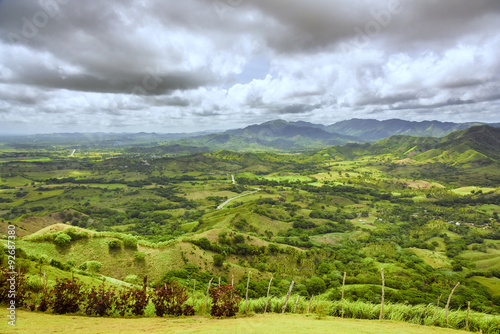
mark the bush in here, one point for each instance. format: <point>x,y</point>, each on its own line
<point>100,301</point>
<point>139,299</point>
<point>62,240</point>
<point>75,235</point>
<point>115,244</point>
<point>132,300</point>
<point>45,297</point>
<point>123,300</point>
<point>139,256</point>
<point>20,287</point>
<point>58,264</point>
<point>94,266</point>
<point>169,299</point>
<point>225,301</point>
<point>130,242</point>
<point>68,294</point>
<point>218,260</point>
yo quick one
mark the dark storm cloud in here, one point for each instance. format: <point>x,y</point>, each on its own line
<point>173,101</point>
<point>301,26</point>
<point>133,83</point>
<point>195,59</point>
<point>416,105</point>
<point>297,109</point>
<point>102,38</point>
<point>368,99</point>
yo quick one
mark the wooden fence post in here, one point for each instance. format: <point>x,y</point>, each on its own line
<point>267,299</point>
<point>287,296</point>
<point>309,306</point>
<point>248,283</point>
<point>383,294</point>
<point>437,307</point>
<point>296,303</point>
<point>343,285</point>
<point>448,303</point>
<point>208,289</point>
<point>144,284</point>
<point>194,287</point>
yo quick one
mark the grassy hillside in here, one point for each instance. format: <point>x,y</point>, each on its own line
<point>423,209</point>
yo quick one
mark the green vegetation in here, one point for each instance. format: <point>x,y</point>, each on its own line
<point>423,209</point>
<point>271,323</point>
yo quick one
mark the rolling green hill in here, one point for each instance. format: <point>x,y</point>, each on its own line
<point>424,209</point>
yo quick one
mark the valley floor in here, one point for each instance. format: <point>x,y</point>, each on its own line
<point>33,322</point>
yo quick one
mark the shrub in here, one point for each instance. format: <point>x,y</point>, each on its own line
<point>100,301</point>
<point>45,297</point>
<point>58,264</point>
<point>75,235</point>
<point>139,256</point>
<point>225,301</point>
<point>169,299</point>
<point>123,301</point>
<point>94,266</point>
<point>62,240</point>
<point>130,241</point>
<point>132,300</point>
<point>115,244</point>
<point>139,299</point>
<point>68,294</point>
<point>218,260</point>
<point>7,285</point>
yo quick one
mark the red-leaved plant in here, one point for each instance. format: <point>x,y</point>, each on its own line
<point>225,301</point>
<point>170,299</point>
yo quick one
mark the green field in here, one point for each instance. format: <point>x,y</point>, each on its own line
<point>260,324</point>
<point>467,190</point>
<point>492,283</point>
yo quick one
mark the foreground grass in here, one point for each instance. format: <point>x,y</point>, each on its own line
<point>34,322</point>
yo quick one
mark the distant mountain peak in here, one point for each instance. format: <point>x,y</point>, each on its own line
<point>372,129</point>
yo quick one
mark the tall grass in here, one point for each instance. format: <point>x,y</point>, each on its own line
<point>428,315</point>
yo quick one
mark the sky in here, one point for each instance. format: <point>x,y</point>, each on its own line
<point>196,65</point>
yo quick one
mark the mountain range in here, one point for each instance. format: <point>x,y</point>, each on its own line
<point>470,156</point>
<point>283,135</point>
<point>272,136</point>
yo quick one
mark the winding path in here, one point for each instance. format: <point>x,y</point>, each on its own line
<point>229,200</point>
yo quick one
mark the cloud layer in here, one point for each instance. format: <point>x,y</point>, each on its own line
<point>123,65</point>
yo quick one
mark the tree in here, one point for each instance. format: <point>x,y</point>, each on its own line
<point>315,285</point>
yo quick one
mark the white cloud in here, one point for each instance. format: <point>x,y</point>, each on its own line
<point>163,66</point>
